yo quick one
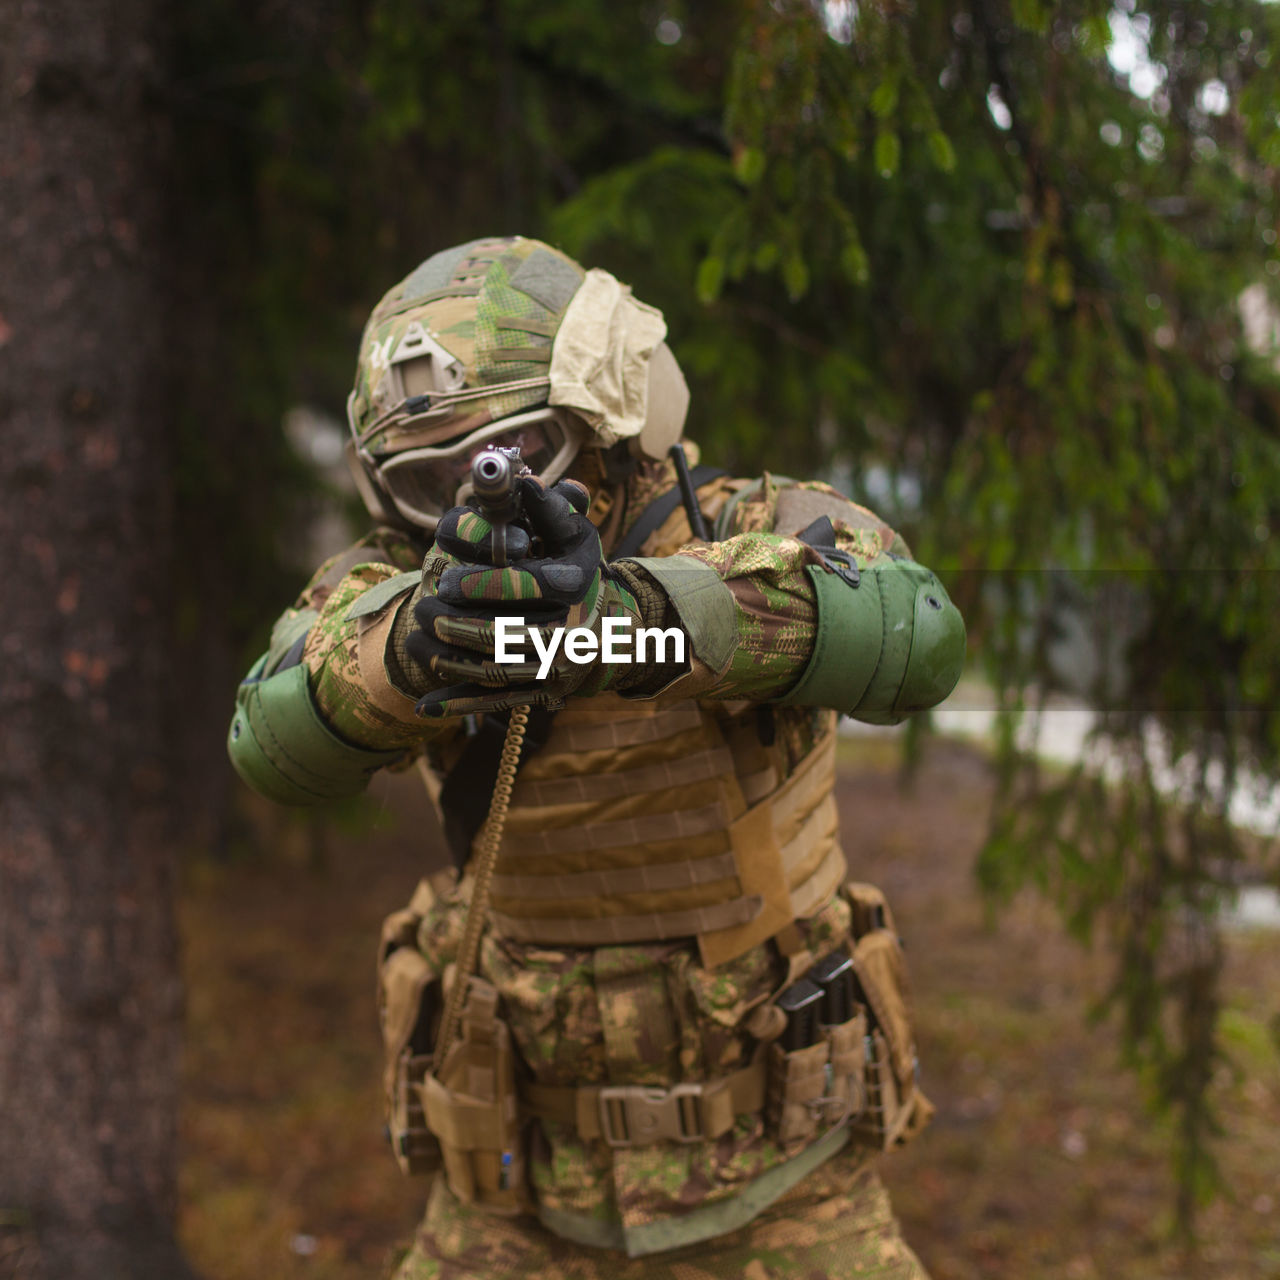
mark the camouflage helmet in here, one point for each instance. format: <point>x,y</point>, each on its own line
<point>503,341</point>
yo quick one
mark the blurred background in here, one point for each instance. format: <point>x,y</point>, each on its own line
<point>1006,271</point>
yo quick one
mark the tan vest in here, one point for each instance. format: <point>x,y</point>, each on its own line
<point>637,822</point>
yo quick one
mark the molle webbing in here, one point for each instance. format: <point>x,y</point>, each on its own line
<point>667,773</point>
<point>463,802</point>
<point>637,822</point>
<point>609,931</point>
<point>592,837</point>
<point>642,879</point>
<point>631,825</point>
<point>465,806</point>
<point>611,735</point>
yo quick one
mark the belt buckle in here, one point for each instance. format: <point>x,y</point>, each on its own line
<point>647,1114</point>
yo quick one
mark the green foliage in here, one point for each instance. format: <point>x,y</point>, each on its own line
<point>951,242</point>
<point>1008,274</point>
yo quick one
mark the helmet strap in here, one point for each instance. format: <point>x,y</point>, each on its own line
<point>618,463</point>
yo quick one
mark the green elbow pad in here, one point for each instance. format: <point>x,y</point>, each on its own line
<point>282,748</point>
<point>890,646</point>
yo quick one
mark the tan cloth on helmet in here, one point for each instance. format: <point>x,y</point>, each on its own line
<point>600,361</point>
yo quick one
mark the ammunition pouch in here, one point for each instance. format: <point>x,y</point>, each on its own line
<point>819,1087</point>
<point>861,1072</point>
<point>847,1060</point>
<point>797,1097</point>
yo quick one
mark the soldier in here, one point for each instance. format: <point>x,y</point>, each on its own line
<point>684,1035</point>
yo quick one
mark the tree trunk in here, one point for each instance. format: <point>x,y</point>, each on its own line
<point>90,998</point>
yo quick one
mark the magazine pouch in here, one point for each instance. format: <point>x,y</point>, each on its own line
<point>796,1097</point>
<point>846,1066</point>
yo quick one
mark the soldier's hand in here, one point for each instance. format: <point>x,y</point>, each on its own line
<point>567,585</point>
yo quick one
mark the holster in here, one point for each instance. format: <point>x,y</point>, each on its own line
<point>470,1105</point>
<point>895,1109</point>
<point>408,1008</point>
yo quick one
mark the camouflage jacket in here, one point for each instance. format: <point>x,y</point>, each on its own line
<point>641,1014</point>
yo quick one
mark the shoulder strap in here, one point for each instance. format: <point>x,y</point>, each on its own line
<point>465,791</point>
<point>658,510</point>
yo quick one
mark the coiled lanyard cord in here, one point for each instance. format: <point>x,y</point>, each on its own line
<point>490,840</point>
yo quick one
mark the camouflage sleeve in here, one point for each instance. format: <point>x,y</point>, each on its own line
<point>326,631</point>
<point>775,504</point>
<point>774,616</point>
<point>763,564</point>
<point>345,655</point>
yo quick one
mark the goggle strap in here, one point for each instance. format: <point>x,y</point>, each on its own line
<point>433,402</point>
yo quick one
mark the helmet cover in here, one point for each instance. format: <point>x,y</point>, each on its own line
<point>469,339</point>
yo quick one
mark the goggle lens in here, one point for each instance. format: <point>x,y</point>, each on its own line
<point>426,482</point>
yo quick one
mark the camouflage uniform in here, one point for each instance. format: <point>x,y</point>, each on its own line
<point>646,1012</point>
<point>836,1225</point>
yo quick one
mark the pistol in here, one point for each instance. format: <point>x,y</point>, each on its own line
<point>494,473</point>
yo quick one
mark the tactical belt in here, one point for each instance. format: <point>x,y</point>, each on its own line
<point>635,1115</point>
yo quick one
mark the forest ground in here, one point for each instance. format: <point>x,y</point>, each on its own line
<point>1042,1161</point>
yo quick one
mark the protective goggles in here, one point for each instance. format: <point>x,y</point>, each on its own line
<point>424,483</point>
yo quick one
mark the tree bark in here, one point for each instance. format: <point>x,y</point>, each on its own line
<point>90,998</point>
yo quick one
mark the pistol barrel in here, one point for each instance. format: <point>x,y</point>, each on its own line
<point>494,473</point>
<point>493,478</point>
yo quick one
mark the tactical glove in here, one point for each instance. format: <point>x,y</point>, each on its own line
<point>566,586</point>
